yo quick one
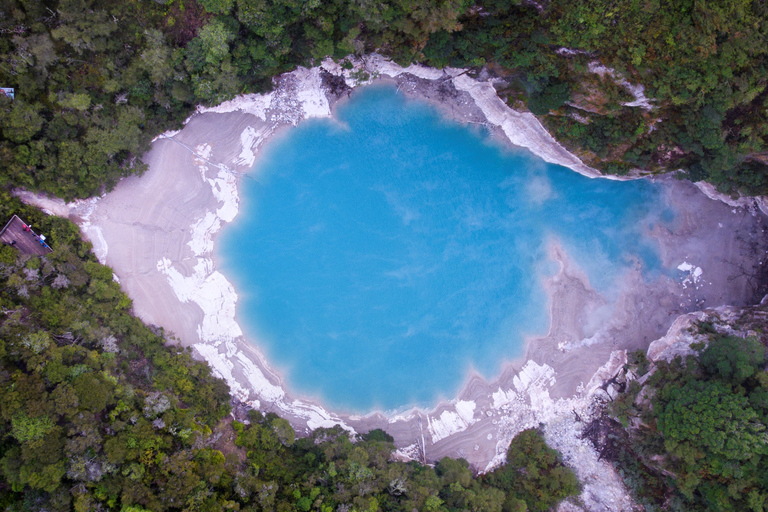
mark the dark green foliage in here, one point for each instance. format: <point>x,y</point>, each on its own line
<point>439,49</point>
<point>705,419</point>
<point>639,361</point>
<point>89,396</point>
<point>705,424</point>
<point>622,407</point>
<point>533,474</point>
<point>96,80</point>
<point>602,133</point>
<point>549,96</point>
<point>732,359</point>
<point>378,435</point>
<point>703,64</point>
<point>97,413</point>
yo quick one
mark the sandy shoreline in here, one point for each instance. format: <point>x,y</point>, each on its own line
<point>157,233</point>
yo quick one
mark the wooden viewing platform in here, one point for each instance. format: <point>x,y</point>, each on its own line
<point>19,235</point>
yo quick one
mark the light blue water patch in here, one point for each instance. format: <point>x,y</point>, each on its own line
<point>382,256</point>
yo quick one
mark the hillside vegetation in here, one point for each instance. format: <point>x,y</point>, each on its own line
<point>99,412</point>
<point>95,80</point>
<point>692,433</point>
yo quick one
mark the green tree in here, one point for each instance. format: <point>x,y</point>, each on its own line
<point>732,359</point>
<point>217,6</point>
<point>214,39</point>
<point>157,58</point>
<point>548,97</point>
<point>533,474</point>
<point>26,429</point>
<point>705,419</point>
<point>21,121</point>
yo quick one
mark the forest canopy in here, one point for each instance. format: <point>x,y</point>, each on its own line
<point>100,412</point>
<point>96,80</point>
<point>697,428</point>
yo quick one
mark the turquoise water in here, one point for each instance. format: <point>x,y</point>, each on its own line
<point>383,255</point>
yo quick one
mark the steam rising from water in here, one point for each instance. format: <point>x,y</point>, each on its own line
<point>380,258</point>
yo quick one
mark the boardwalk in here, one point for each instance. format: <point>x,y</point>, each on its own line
<point>27,242</point>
